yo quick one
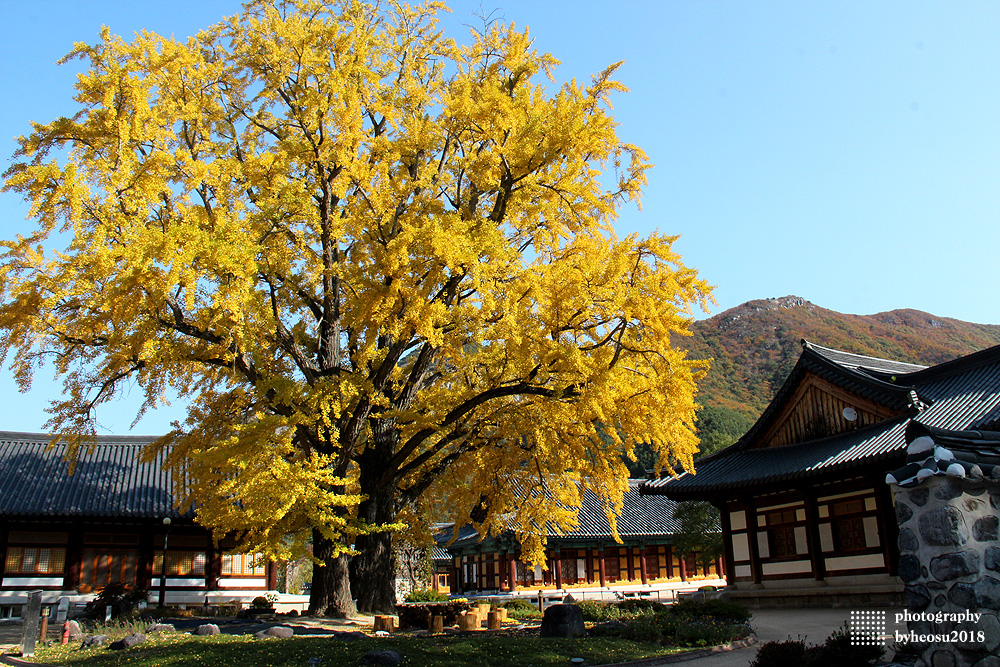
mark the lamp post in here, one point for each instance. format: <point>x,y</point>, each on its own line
<point>163,564</point>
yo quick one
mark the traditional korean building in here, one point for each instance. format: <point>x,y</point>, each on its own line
<point>113,519</point>
<point>587,556</point>
<point>805,507</point>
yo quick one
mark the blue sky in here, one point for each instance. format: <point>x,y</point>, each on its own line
<point>844,152</point>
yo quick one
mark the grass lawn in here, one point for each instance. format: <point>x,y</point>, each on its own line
<point>177,650</point>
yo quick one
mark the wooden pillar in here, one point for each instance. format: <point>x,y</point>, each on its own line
<point>812,537</point>
<point>887,524</point>
<point>670,561</point>
<point>559,580</point>
<point>147,554</point>
<point>727,542</point>
<point>718,567</point>
<point>213,567</point>
<point>751,512</point>
<point>272,575</point>
<point>589,565</point>
<point>631,563</point>
<point>456,568</point>
<point>74,560</point>
<point>480,574</point>
<point>512,571</point>
<point>682,559</point>
<point>600,565</point>
<point>642,565</point>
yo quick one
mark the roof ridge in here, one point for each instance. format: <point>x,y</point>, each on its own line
<point>813,346</point>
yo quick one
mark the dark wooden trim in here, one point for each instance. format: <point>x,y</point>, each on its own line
<point>812,537</point>
<point>727,541</point>
<point>74,559</point>
<point>888,526</point>
<point>753,543</point>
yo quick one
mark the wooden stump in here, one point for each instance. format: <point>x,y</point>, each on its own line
<point>384,623</point>
<point>468,621</point>
<point>503,613</point>
<point>436,625</point>
<point>493,620</point>
<point>483,609</point>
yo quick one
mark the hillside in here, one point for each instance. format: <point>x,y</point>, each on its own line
<point>755,345</point>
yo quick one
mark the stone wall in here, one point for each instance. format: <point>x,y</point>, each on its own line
<point>950,564</point>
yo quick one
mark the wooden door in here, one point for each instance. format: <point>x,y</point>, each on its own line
<point>107,566</point>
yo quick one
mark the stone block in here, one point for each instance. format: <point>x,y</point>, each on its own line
<point>943,527</point>
<point>986,529</point>
<point>962,596</point>
<point>992,559</point>
<point>917,597</point>
<point>903,512</point>
<point>919,496</point>
<point>907,540</point>
<point>955,565</point>
<point>987,593</point>
<point>909,567</point>
<point>563,620</point>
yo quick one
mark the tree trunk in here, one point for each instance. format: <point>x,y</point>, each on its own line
<point>331,588</point>
<point>373,570</point>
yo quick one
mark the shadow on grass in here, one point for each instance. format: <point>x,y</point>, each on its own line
<point>458,651</point>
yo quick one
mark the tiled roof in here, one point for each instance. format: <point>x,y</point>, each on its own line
<point>960,394</point>
<point>108,481</point>
<point>642,515</point>
<point>937,452</point>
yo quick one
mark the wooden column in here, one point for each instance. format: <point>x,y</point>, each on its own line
<point>642,565</point>
<point>74,560</point>
<point>670,561</point>
<point>589,564</point>
<point>631,563</point>
<point>812,537</point>
<point>559,580</point>
<point>600,565</point>
<point>727,542</point>
<point>682,559</point>
<point>147,553</point>
<point>272,575</point>
<point>213,567</point>
<point>480,571</point>
<point>512,571</point>
<point>887,524</point>
<point>751,512</point>
<point>456,566</point>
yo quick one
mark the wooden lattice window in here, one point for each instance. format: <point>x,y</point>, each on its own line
<point>243,564</point>
<point>35,560</point>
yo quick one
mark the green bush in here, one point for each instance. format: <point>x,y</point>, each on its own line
<point>836,651</point>
<point>717,610</point>
<point>426,595</point>
<point>521,609</point>
<point>640,606</point>
<point>599,612</point>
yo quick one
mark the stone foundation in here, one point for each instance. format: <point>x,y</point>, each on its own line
<point>950,563</point>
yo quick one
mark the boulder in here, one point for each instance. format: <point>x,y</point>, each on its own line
<point>75,632</point>
<point>563,620</point>
<point>127,641</point>
<point>161,627</point>
<point>381,657</point>
<point>95,640</point>
<point>207,629</point>
<point>279,631</point>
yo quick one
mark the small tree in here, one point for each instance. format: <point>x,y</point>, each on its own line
<point>700,530</point>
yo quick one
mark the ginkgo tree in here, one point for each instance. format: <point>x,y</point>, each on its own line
<point>378,264</point>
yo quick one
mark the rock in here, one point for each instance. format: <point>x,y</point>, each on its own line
<point>962,596</point>
<point>986,529</point>
<point>943,658</point>
<point>940,601</point>
<point>563,620</point>
<point>206,630</point>
<point>919,496</point>
<point>279,631</point>
<point>943,527</point>
<point>293,613</point>
<point>917,597</point>
<point>907,540</point>
<point>381,658</point>
<point>988,661</point>
<point>161,627</point>
<point>949,490</point>
<point>903,512</point>
<point>909,567</point>
<point>987,593</point>
<point>992,559</point>
<point>75,633</point>
<point>127,642</point>
<point>955,565</point>
<point>989,625</point>
<point>95,640</point>
<point>349,636</point>
<point>995,497</point>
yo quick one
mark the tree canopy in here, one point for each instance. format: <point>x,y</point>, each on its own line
<point>376,262</point>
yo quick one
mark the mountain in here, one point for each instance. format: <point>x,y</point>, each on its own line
<point>755,345</point>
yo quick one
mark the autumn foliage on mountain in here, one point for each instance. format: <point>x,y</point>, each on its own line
<point>755,345</point>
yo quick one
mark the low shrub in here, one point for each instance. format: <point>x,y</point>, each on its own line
<point>717,610</point>
<point>426,595</point>
<point>521,609</point>
<point>639,606</point>
<point>598,612</point>
<point>836,651</point>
